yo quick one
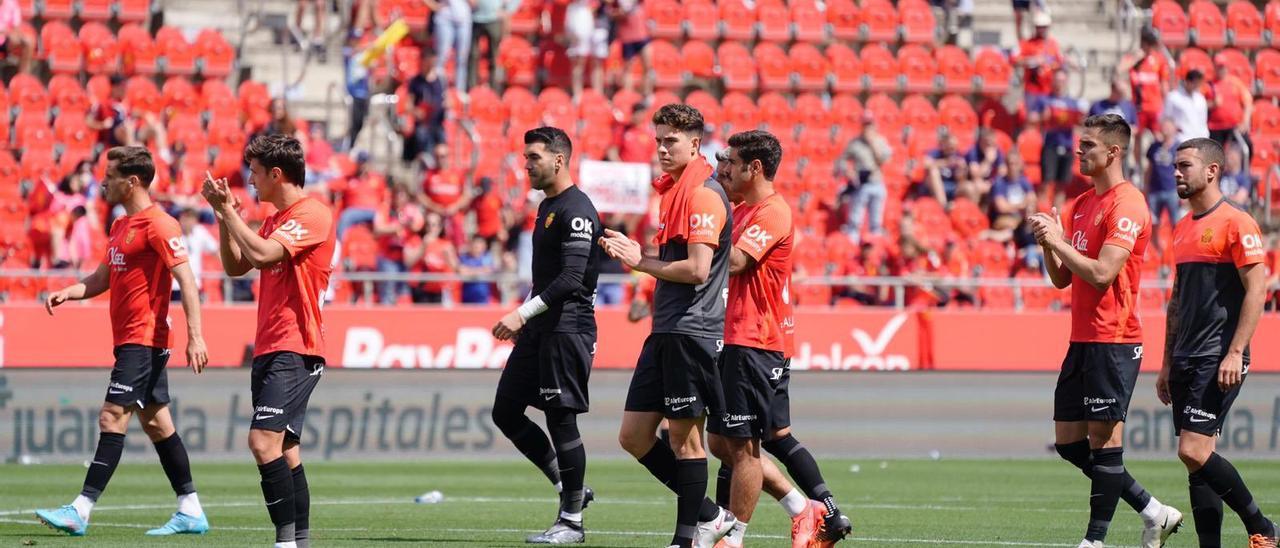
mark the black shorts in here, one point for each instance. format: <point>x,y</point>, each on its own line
<point>549,370</point>
<point>1023,5</point>
<point>1056,164</point>
<point>678,376</point>
<point>756,395</point>
<point>1096,382</point>
<point>139,376</point>
<point>1198,404</point>
<point>282,383</point>
<point>632,49</point>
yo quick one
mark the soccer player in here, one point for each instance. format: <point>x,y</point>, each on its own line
<point>677,375</point>
<point>1109,226</point>
<point>1219,290</point>
<point>755,367</point>
<point>144,256</point>
<point>294,250</point>
<point>555,332</point>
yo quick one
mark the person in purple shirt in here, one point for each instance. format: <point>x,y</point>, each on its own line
<point>986,161</point>
<point>1059,115</point>
<point>1161,186</point>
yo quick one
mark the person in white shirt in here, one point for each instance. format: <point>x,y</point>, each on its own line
<point>199,241</point>
<point>1187,107</point>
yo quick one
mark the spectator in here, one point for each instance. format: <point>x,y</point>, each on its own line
<point>316,43</point>
<point>359,195</point>
<point>356,76</point>
<point>1162,188</point>
<point>12,42</point>
<point>633,139</point>
<point>427,91</point>
<point>945,169</point>
<point>489,20</point>
<point>396,227</point>
<point>712,145</point>
<point>431,254</point>
<point>1058,115</point>
<point>1013,199</point>
<point>1230,108</point>
<point>986,162</point>
<point>477,261</point>
<point>108,117</point>
<point>1187,107</point>
<point>1117,103</point>
<point>282,122</point>
<point>84,232</point>
<point>588,36</point>
<point>1150,79</point>
<point>487,206</point>
<point>1236,181</point>
<point>1020,10</point>
<point>199,241</point>
<point>444,192</point>
<point>859,166</point>
<point>320,165</point>
<point>1039,57</point>
<point>633,32</point>
<point>453,36</point>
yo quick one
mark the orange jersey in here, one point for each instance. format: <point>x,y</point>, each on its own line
<point>293,289</point>
<point>142,250</point>
<point>759,313</point>
<point>1118,217</point>
<point>1148,79</point>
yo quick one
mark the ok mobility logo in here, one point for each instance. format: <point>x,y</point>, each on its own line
<point>870,355</point>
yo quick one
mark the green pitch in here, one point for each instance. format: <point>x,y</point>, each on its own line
<point>893,503</point>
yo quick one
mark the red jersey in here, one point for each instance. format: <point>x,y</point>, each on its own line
<point>1044,59</point>
<point>443,187</point>
<point>759,313</point>
<point>488,210</point>
<point>1118,217</point>
<point>1148,79</point>
<point>293,289</point>
<point>1231,95</point>
<point>142,250</point>
<point>364,192</point>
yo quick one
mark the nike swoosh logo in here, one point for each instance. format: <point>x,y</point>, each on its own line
<point>679,407</point>
<point>1097,409</point>
<point>1077,216</point>
<point>262,417</point>
<point>734,425</point>
<point>276,501</point>
<point>550,397</point>
<point>100,463</point>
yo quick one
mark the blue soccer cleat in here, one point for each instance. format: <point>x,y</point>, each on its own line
<point>64,519</point>
<point>182,524</point>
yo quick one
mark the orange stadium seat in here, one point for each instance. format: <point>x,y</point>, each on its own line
<point>879,68</point>
<point>180,96</point>
<point>1244,25</point>
<point>179,55</point>
<point>66,57</point>
<point>809,23</point>
<point>846,114</point>
<point>879,21</point>
<point>811,67</point>
<point>773,22</point>
<point>666,19</point>
<point>776,114</point>
<point>955,68</point>
<point>1030,143</point>
<point>141,94</point>
<point>1171,22</point>
<point>920,115</point>
<point>918,68</point>
<point>812,113</point>
<point>1268,63</point>
<point>486,106</point>
<point>217,57</point>
<point>1273,22</point>
<point>668,68</point>
<point>1266,118</point>
<point>57,9</point>
<point>101,53</point>
<point>416,15</point>
<point>95,10</point>
<point>887,115</point>
<point>526,20</point>
<point>738,22</point>
<point>918,24</point>
<point>701,20</point>
<point>1236,64</point>
<point>737,67</point>
<point>524,108</point>
<point>137,50</point>
<point>1194,58</point>
<point>993,71</point>
<point>845,20</point>
<point>846,69</point>
<point>519,60</point>
<point>699,59</point>
<point>54,33</point>
<point>960,119</point>
<point>739,112</point>
<point>774,67</point>
<point>133,11</point>
<point>1209,27</point>
<point>707,104</point>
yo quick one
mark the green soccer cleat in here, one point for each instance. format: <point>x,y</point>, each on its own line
<point>64,519</point>
<point>182,524</point>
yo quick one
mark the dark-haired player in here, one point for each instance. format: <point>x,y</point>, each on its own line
<point>555,332</point>
<point>1218,293</point>
<point>294,250</point>
<point>145,246</point>
<point>677,375</point>
<point>1096,247</point>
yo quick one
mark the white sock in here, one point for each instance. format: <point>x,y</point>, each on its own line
<point>83,506</point>
<point>559,487</point>
<point>189,504</point>
<point>736,534</point>
<point>290,544</point>
<point>794,503</point>
<point>576,518</point>
<point>1152,511</point>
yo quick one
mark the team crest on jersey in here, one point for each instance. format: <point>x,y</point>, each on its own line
<point>128,237</point>
<point>1097,220</point>
<point>551,217</point>
<point>1207,237</point>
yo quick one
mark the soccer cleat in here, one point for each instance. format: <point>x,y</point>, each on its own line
<point>805,525</point>
<point>1166,524</point>
<point>1260,541</point>
<point>833,529</point>
<point>64,519</point>
<point>1090,544</point>
<point>562,531</point>
<point>182,524</point>
<point>710,532</point>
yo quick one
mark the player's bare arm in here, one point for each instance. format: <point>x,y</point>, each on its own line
<point>87,288</point>
<point>1058,273</point>
<point>1098,272</point>
<point>259,252</point>
<point>1170,329</point>
<point>740,261</point>
<point>694,270</point>
<point>218,194</point>
<point>1231,370</point>
<point>197,353</point>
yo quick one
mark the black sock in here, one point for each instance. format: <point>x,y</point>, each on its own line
<point>804,469</point>
<point>571,457</point>
<point>301,507</point>
<point>1108,481</point>
<point>1223,478</point>
<point>691,492</point>
<point>661,462</point>
<point>173,458</point>
<point>724,480</point>
<point>105,461</point>
<point>277,491</point>
<point>509,417</point>
<point>1078,453</point>
<point>1206,507</point>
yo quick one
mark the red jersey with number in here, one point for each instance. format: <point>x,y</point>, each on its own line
<point>759,313</point>
<point>141,251</point>
<point>293,289</point>
<point>1117,217</point>
<point>1148,78</point>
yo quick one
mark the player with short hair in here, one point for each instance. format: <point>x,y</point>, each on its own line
<point>677,374</point>
<point>145,254</point>
<point>294,250</point>
<point>1102,262</point>
<point>1219,290</point>
<point>759,340</point>
<point>555,332</point>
